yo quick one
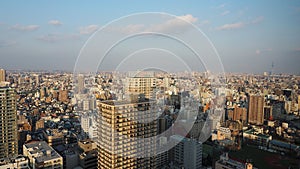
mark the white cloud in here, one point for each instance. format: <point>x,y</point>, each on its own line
<point>189,18</point>
<point>7,43</point>
<point>238,25</point>
<point>225,13</point>
<point>55,37</point>
<point>55,22</point>
<point>231,26</point>
<point>260,51</point>
<point>177,24</point>
<point>88,29</point>
<point>26,28</point>
<point>49,37</point>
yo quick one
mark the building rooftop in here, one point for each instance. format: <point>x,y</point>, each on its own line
<point>4,86</point>
<point>122,102</point>
<point>42,151</point>
<point>54,133</point>
<point>178,137</point>
<point>87,145</point>
<point>284,144</point>
<point>254,132</point>
<point>225,160</point>
<point>19,158</point>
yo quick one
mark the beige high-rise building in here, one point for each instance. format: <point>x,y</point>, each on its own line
<point>63,95</point>
<point>256,110</point>
<point>126,134</point>
<point>2,75</point>
<point>80,83</point>
<point>145,85</point>
<point>8,125</point>
<point>239,113</point>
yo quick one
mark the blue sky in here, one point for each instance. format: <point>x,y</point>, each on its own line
<point>248,35</point>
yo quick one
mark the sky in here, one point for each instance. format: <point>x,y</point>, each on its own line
<point>247,35</point>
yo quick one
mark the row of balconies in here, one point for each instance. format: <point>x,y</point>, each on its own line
<point>125,114</point>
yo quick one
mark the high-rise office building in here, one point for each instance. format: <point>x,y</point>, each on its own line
<point>8,125</point>
<point>2,75</point>
<point>256,110</point>
<point>126,134</point>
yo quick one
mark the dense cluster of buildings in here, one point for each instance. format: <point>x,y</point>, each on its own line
<point>124,120</point>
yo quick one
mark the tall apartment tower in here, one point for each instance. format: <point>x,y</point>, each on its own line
<point>8,125</point>
<point>126,134</point>
<point>145,85</point>
<point>80,85</point>
<point>256,110</point>
<point>240,113</point>
<point>2,75</point>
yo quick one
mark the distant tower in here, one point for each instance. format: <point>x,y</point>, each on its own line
<point>272,70</point>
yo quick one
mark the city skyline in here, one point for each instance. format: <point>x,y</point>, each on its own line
<point>148,84</point>
<point>249,37</point>
<point>187,125</point>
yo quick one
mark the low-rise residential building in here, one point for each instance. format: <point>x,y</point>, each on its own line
<point>256,137</point>
<point>221,133</point>
<point>53,137</point>
<point>226,163</point>
<point>284,147</point>
<point>41,155</point>
<point>19,162</point>
<point>87,154</point>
